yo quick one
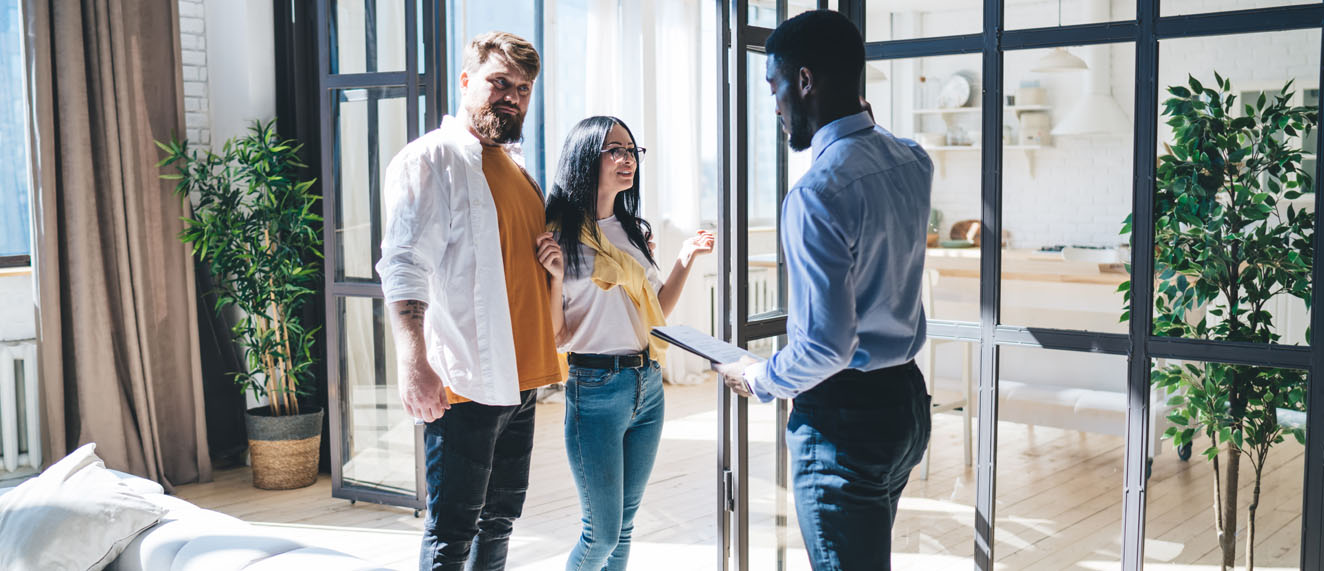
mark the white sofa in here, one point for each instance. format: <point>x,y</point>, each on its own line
<point>190,538</point>
<point>1039,387</point>
<point>1061,389</point>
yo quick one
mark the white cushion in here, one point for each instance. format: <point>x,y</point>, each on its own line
<point>231,549</point>
<point>318,558</point>
<point>158,547</point>
<point>1102,412</point>
<point>76,515</point>
<point>138,484</point>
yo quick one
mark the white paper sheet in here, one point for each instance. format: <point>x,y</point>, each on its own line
<point>702,344</point>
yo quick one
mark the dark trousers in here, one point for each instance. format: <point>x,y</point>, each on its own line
<point>853,441</point>
<point>478,473</point>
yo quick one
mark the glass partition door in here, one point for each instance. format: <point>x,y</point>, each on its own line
<point>756,519</point>
<point>381,85</point>
<point>1059,208</point>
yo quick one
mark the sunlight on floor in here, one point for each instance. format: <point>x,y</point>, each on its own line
<point>1104,565</point>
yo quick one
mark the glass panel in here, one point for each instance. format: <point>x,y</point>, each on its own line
<point>1066,177</point>
<point>905,98</point>
<point>422,48</point>
<point>1050,13</point>
<point>1180,7</point>
<point>1233,222</point>
<point>367,36</point>
<point>371,127</point>
<point>473,17</point>
<point>1181,521</point>
<point>15,219</point>
<point>422,115</point>
<point>934,522</point>
<point>762,13</point>
<point>764,281</point>
<point>909,19</point>
<point>378,443</point>
<point>1310,144</point>
<point>797,7</point>
<point>774,531</point>
<point>1061,449</point>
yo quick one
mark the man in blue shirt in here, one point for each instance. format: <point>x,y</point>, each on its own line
<point>853,233</point>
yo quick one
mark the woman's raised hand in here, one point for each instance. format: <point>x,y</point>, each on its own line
<point>697,245</point>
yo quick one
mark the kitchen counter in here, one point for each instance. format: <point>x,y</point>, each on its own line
<point>1026,265</point>
<point>1022,265</point>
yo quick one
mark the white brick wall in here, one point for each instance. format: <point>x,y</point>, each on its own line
<point>1179,7</point>
<point>193,43</point>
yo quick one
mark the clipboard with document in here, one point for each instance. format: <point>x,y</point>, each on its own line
<point>702,344</point>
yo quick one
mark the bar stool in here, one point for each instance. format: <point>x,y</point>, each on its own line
<point>930,349</point>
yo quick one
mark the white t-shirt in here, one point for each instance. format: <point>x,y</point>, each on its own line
<point>604,322</point>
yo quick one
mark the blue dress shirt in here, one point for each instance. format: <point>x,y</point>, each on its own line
<point>853,233</point>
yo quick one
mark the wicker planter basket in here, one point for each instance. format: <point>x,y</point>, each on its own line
<point>284,448</point>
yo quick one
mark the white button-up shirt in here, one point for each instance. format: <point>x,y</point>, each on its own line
<point>441,245</point>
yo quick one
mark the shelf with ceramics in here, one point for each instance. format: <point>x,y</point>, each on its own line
<point>939,152</point>
<point>958,110</point>
<point>955,102</point>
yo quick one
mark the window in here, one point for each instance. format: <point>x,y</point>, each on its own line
<point>1045,120</point>
<point>469,18</point>
<point>15,195</point>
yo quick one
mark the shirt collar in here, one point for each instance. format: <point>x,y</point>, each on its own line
<point>455,130</point>
<point>830,133</point>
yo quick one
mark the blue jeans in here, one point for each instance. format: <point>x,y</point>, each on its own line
<point>477,473</point>
<point>613,423</point>
<point>853,441</point>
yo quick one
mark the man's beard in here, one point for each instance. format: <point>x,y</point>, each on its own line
<point>499,127</point>
<point>801,136</point>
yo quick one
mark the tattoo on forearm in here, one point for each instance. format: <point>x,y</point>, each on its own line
<point>413,311</point>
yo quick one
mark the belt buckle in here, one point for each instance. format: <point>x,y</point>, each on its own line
<point>630,361</point>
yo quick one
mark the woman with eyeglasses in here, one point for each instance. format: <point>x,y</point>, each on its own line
<point>606,297</point>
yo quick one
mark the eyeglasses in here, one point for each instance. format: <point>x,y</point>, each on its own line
<point>619,153</point>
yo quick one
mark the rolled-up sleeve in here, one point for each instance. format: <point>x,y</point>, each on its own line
<point>822,324</point>
<point>414,234</point>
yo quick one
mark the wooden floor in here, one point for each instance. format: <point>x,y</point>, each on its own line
<point>1058,505</point>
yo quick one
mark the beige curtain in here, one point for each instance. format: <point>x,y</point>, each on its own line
<point>118,322</point>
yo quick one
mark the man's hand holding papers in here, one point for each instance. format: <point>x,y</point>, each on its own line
<point>728,360</point>
<point>734,375</point>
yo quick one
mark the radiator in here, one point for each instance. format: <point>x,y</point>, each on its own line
<point>762,297</point>
<point>20,433</point>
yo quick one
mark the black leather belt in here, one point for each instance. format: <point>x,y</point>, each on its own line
<point>610,362</point>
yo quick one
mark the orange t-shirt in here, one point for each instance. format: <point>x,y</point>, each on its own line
<point>520,219</point>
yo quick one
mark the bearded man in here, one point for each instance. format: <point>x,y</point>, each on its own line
<point>469,309</point>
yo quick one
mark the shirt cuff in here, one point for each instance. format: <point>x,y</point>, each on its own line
<point>755,375</point>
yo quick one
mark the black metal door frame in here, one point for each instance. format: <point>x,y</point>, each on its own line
<point>1139,345</point>
<point>412,81</point>
<point>740,39</point>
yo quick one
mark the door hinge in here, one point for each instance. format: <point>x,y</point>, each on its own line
<point>729,490</point>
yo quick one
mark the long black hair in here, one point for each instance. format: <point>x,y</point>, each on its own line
<point>572,203</point>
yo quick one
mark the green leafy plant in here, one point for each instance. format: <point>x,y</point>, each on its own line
<point>1227,241</point>
<point>254,224</point>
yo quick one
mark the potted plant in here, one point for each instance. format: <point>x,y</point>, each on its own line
<point>1227,241</point>
<point>255,226</point>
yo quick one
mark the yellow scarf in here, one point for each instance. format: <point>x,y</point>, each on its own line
<point>614,267</point>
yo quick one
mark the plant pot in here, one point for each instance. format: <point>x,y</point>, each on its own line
<point>284,448</point>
